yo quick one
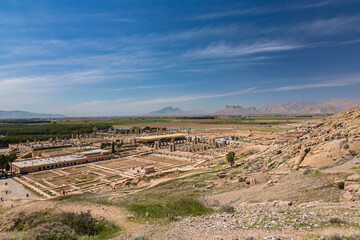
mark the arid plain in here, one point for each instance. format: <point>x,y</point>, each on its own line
<point>293,177</point>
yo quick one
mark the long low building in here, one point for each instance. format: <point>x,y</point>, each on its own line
<point>39,164</point>
<point>163,138</point>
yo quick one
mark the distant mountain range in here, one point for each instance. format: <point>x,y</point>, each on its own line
<point>171,111</point>
<point>236,110</point>
<point>26,115</point>
<point>302,107</point>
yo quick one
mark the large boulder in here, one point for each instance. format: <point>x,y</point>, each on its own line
<point>300,158</point>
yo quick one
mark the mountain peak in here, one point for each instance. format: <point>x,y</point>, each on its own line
<point>173,111</point>
<point>237,110</point>
<point>169,109</point>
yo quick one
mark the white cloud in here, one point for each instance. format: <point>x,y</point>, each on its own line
<point>264,10</point>
<point>214,15</point>
<point>155,86</point>
<point>225,51</point>
<point>341,82</point>
<point>186,98</point>
<point>329,26</point>
<point>128,106</point>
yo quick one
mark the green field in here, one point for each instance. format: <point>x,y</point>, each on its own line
<point>253,120</point>
<point>16,131</point>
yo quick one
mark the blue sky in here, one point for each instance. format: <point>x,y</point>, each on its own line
<point>113,57</point>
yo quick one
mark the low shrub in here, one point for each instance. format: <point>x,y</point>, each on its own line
<point>341,185</point>
<point>139,238</point>
<point>307,171</point>
<point>106,230</point>
<point>52,231</point>
<point>26,222</point>
<point>335,220</point>
<point>338,237</point>
<point>82,223</point>
<point>227,208</point>
<point>352,153</point>
<point>180,207</point>
<point>46,225</point>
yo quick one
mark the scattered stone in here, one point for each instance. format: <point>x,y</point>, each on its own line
<point>222,174</point>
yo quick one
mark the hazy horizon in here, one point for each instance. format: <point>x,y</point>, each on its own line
<point>119,58</point>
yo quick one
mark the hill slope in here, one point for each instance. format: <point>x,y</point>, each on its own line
<point>171,111</point>
<point>25,115</point>
<point>236,110</point>
<point>309,107</point>
<point>335,140</point>
<point>332,106</point>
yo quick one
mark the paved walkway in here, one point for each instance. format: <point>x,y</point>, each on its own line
<point>17,191</point>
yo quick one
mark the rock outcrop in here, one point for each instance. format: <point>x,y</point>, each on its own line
<point>352,189</point>
<point>337,138</point>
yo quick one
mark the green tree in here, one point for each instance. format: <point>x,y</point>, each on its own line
<point>3,162</point>
<point>113,147</point>
<point>230,157</point>
<point>11,158</point>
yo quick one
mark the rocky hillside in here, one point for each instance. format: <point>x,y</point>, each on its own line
<point>332,106</point>
<point>334,141</point>
<point>303,107</point>
<point>309,107</point>
<point>338,137</point>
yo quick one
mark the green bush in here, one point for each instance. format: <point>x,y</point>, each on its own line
<point>26,222</point>
<point>230,157</point>
<point>335,220</point>
<point>46,225</point>
<point>82,223</point>
<point>307,171</point>
<point>338,237</point>
<point>335,237</point>
<point>341,185</point>
<point>52,231</point>
<point>227,208</point>
<point>106,230</point>
<point>180,207</point>
<point>352,153</point>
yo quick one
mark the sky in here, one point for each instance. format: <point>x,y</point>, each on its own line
<point>122,57</point>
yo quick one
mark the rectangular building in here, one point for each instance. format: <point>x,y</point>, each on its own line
<point>34,165</point>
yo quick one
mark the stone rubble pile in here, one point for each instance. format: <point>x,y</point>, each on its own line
<point>336,139</point>
<point>265,218</point>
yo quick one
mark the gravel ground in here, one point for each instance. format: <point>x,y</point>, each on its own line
<point>261,222</point>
